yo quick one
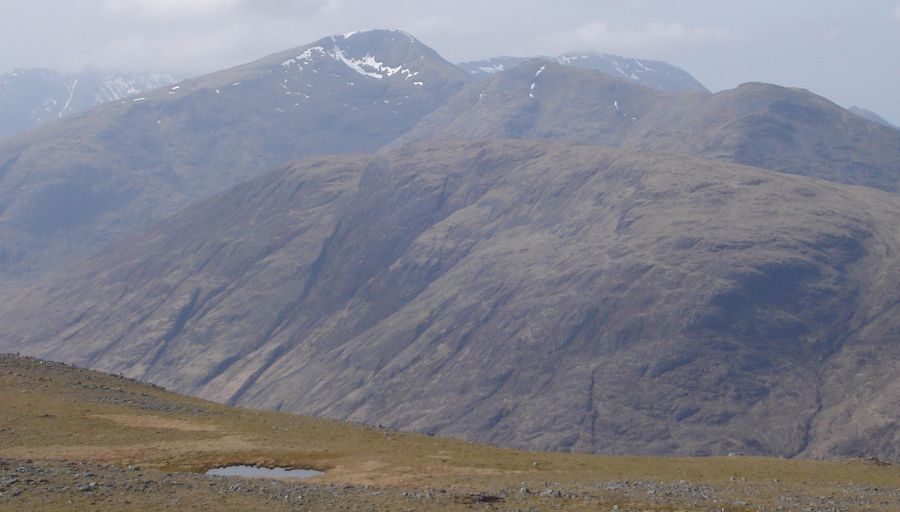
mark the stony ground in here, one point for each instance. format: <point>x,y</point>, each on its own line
<point>68,485</point>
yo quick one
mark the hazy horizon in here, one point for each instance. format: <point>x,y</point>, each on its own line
<point>842,51</point>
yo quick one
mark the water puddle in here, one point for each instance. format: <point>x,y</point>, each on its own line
<point>260,472</point>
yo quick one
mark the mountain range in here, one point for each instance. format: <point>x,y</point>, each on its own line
<point>74,186</point>
<point>32,97</point>
<point>550,257</point>
<point>650,73</point>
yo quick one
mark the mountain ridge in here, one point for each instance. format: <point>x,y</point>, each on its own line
<point>651,73</point>
<point>762,125</point>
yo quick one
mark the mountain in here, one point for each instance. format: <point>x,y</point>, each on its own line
<point>69,188</point>
<point>763,125</point>
<point>32,97</point>
<point>529,293</point>
<point>651,73</point>
<point>872,116</point>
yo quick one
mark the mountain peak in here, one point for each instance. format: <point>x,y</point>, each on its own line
<point>371,57</point>
<point>379,54</point>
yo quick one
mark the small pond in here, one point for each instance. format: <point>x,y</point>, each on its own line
<point>260,472</point>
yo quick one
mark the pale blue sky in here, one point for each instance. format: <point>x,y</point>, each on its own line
<point>846,51</point>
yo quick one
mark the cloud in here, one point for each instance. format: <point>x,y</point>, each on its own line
<point>194,36</point>
<point>161,10</point>
<point>599,35</point>
<point>429,27</point>
<point>430,24</point>
<point>897,14</point>
<point>176,52</point>
<point>165,9</point>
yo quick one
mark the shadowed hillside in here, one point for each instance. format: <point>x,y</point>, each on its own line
<point>534,294</point>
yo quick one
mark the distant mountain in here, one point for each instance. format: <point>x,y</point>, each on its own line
<point>529,293</point>
<point>651,73</point>
<point>872,116</point>
<point>69,188</point>
<point>763,125</point>
<point>32,97</point>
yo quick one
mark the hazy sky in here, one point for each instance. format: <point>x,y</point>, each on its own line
<point>848,51</point>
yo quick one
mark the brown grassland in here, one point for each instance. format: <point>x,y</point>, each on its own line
<point>57,421</point>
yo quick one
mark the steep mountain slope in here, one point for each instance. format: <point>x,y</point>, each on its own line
<point>535,294</point>
<point>872,116</point>
<point>32,97</point>
<point>788,130</point>
<point>67,189</point>
<point>650,73</point>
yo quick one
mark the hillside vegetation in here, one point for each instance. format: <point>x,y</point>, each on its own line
<point>76,439</point>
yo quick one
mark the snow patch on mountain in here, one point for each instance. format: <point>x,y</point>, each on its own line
<point>358,65</point>
<point>115,86</point>
<point>65,108</point>
<point>534,82</point>
<point>490,70</point>
<point>304,58</point>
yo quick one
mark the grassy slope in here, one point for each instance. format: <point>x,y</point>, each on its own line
<point>54,412</point>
